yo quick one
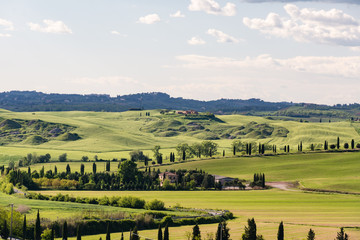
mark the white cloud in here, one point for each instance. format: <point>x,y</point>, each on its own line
<point>149,19</point>
<point>50,26</point>
<point>222,37</point>
<point>339,66</point>
<point>114,32</point>
<point>196,41</point>
<point>212,7</point>
<point>178,14</point>
<point>308,25</point>
<point>7,25</point>
<point>329,1</point>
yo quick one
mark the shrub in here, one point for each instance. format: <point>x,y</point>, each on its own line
<point>131,202</point>
<point>155,205</point>
<point>332,146</point>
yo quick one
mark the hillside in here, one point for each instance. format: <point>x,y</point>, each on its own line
<point>113,135</point>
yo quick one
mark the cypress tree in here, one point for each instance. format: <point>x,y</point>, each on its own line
<point>64,231</point>
<point>311,235</point>
<point>223,153</point>
<point>234,150</point>
<point>196,235</point>
<point>108,166</point>
<point>68,170</point>
<point>24,228</point>
<point>285,148</point>
<point>260,151</point>
<point>263,180</point>
<point>82,169</point>
<point>249,148</point>
<point>250,230</point>
<point>29,170</point>
<point>94,168</point>
<point>184,155</point>
<point>301,147</point>
<point>108,231</point>
<point>342,235</point>
<point>78,233</point>
<point>352,144</point>
<point>219,232</point>
<point>338,143</point>
<point>5,230</point>
<point>52,234</point>
<point>160,233</point>
<point>55,170</point>
<point>166,233</point>
<point>122,236</point>
<point>37,230</point>
<point>280,234</point>
<point>288,148</point>
<point>134,235</point>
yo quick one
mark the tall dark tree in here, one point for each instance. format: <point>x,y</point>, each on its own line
<point>338,143</point>
<point>250,230</point>
<point>5,230</point>
<point>311,235</point>
<point>234,150</point>
<point>135,235</point>
<point>68,169</point>
<point>196,235</point>
<point>108,166</point>
<point>352,144</point>
<point>280,234</point>
<point>166,232</point>
<point>82,169</point>
<point>78,232</point>
<point>122,236</point>
<point>223,153</point>
<point>342,235</point>
<point>108,231</point>
<point>55,170</point>
<point>160,233</point>
<point>52,237</point>
<point>24,228</point>
<point>94,168</point>
<point>37,230</point>
<point>184,155</point>
<point>64,231</point>
<point>223,232</point>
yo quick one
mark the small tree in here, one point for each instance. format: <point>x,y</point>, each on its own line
<point>280,234</point>
<point>159,233</point>
<point>37,229</point>
<point>64,231</point>
<point>311,235</point>
<point>108,231</point>
<point>82,169</point>
<point>346,145</point>
<point>46,235</point>
<point>5,230</point>
<point>94,168</point>
<point>84,158</point>
<point>78,233</point>
<point>166,232</point>
<point>196,235</point>
<point>24,228</point>
<point>342,235</point>
<point>63,157</point>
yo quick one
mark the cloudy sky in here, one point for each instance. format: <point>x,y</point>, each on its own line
<point>284,50</point>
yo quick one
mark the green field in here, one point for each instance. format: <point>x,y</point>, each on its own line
<point>113,135</point>
<point>299,211</point>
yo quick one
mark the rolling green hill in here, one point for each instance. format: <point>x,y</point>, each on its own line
<point>113,135</point>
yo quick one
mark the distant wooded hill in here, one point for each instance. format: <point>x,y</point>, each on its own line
<point>26,101</point>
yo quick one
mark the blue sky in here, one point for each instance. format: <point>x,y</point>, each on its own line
<point>300,51</point>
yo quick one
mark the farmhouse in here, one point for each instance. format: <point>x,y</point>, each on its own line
<point>223,179</point>
<point>172,177</point>
<point>188,112</point>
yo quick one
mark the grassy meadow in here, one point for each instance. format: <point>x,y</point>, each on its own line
<point>300,211</point>
<point>114,135</point>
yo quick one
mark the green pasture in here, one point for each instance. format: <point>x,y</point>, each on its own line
<point>114,135</point>
<point>329,171</point>
<point>300,211</point>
